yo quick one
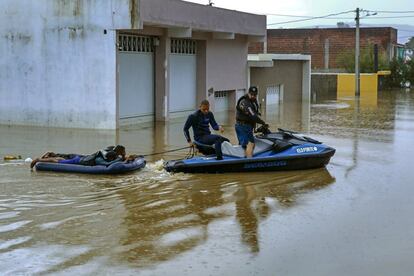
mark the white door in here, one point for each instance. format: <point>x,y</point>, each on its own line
<point>221,101</point>
<point>183,67</point>
<point>136,76</point>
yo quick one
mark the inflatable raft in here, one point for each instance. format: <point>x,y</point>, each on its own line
<point>116,168</point>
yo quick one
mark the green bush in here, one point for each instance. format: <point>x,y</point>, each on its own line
<point>410,71</point>
<point>346,60</point>
<point>399,71</point>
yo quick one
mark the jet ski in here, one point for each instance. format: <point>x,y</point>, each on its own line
<point>274,151</point>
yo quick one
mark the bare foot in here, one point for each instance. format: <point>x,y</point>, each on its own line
<point>33,163</point>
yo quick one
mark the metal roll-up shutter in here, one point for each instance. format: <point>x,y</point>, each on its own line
<point>183,67</point>
<point>136,76</point>
<point>221,101</point>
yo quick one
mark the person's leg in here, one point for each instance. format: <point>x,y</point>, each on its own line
<point>249,150</point>
<point>240,135</point>
<point>74,160</point>
<point>48,154</point>
<point>246,139</point>
<point>46,160</point>
<point>250,145</point>
<point>217,146</point>
<point>215,140</point>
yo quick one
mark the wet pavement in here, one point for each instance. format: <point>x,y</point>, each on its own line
<point>353,217</point>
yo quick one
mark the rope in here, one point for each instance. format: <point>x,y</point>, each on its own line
<point>192,151</point>
<point>163,152</point>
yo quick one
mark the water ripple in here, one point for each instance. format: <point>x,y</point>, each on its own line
<point>13,226</point>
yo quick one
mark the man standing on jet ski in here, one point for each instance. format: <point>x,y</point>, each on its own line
<point>247,115</point>
<point>200,121</point>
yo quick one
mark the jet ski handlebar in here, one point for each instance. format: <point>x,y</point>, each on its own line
<point>263,129</point>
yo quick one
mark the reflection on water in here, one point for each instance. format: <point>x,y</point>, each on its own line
<point>141,219</point>
<point>153,222</point>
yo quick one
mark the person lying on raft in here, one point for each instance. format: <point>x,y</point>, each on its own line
<point>104,157</point>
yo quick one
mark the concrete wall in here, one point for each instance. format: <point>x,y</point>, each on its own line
<point>368,83</point>
<point>288,73</point>
<point>325,44</point>
<point>57,65</point>
<point>201,17</point>
<point>294,76</point>
<point>226,64</point>
<point>323,87</point>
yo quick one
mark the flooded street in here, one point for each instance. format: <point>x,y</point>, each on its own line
<point>353,217</point>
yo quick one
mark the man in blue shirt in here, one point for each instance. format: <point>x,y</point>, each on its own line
<point>200,121</point>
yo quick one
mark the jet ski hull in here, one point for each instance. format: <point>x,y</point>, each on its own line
<point>295,158</point>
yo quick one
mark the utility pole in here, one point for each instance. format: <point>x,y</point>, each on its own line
<point>357,77</point>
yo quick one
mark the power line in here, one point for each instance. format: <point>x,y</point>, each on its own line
<point>305,18</point>
<point>379,17</point>
<point>392,11</point>
<point>287,15</point>
<point>310,18</point>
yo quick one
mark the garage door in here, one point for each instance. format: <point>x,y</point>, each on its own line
<point>136,76</point>
<point>183,67</point>
<point>221,101</point>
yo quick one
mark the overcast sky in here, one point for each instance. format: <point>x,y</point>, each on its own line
<point>320,8</point>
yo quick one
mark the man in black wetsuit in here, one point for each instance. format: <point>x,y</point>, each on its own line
<point>200,121</point>
<point>247,115</point>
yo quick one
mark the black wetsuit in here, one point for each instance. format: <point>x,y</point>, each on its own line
<point>200,123</point>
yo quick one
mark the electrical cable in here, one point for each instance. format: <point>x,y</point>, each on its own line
<point>311,18</point>
<point>380,17</point>
<point>391,11</point>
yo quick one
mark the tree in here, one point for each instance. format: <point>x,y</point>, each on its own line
<point>400,73</point>
<point>410,71</point>
<point>410,43</point>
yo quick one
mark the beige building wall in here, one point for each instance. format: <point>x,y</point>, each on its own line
<point>227,64</point>
<point>288,73</point>
<point>292,74</point>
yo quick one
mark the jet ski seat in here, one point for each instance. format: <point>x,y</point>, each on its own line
<point>237,151</point>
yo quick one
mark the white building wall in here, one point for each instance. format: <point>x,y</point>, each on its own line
<point>57,67</point>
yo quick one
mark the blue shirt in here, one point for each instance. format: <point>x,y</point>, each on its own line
<point>200,123</point>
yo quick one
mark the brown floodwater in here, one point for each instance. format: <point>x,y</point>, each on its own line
<point>353,217</point>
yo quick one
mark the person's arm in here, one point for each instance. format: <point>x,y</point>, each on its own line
<point>214,124</point>
<point>248,110</point>
<point>187,126</point>
<point>131,158</point>
<point>255,117</point>
<point>100,161</point>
